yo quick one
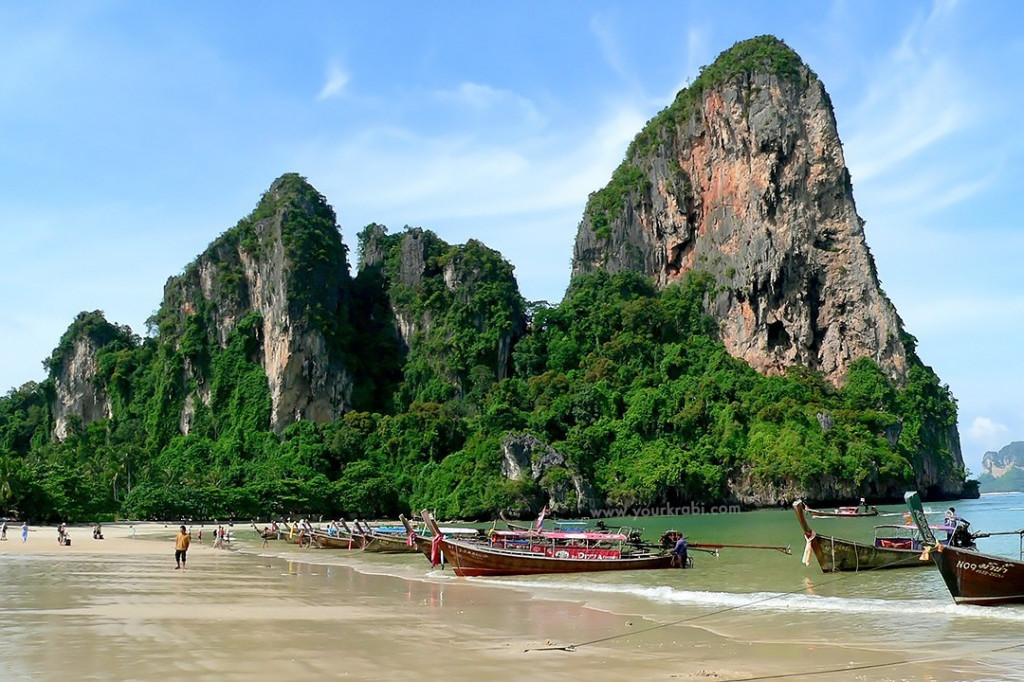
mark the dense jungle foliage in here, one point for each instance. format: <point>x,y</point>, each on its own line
<point>628,382</point>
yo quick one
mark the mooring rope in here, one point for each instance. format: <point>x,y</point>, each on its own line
<point>870,666</point>
<point>778,676</point>
<point>573,647</point>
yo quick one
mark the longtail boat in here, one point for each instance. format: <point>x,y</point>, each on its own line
<point>386,540</point>
<point>896,549</point>
<point>424,543</point>
<point>547,553</point>
<point>340,540</point>
<point>970,576</point>
<point>841,512</point>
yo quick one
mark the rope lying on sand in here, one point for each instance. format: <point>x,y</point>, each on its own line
<point>867,666</point>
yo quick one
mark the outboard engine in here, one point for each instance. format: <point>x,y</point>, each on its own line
<point>962,536</point>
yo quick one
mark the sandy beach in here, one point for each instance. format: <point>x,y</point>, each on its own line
<point>116,609</point>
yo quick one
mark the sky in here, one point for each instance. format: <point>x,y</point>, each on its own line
<point>133,134</point>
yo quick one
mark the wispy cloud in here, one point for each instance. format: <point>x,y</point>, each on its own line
<point>479,97</point>
<point>918,96</point>
<point>448,176</point>
<point>985,430</point>
<point>334,86</point>
<point>603,28</point>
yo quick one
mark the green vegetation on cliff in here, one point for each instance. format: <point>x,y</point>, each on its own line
<point>627,382</point>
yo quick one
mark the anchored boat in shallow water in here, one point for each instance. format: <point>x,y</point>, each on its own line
<point>894,547</point>
<point>970,576</point>
<point>842,512</point>
<point>558,552</point>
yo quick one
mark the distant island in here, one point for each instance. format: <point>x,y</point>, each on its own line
<point>1003,471</point>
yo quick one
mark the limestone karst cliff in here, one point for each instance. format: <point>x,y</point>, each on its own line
<point>457,309</point>
<point>742,176</point>
<point>286,263</point>
<point>79,395</point>
<point>272,379</point>
<point>1003,470</point>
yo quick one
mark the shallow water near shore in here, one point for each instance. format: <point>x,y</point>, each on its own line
<point>284,613</point>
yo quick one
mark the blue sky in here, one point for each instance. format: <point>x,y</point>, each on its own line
<point>132,134</point>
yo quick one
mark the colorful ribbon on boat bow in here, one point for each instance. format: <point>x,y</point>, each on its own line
<point>807,549</point>
<point>435,550</point>
<point>926,554</point>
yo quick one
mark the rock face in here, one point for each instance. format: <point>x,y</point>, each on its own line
<point>77,396</point>
<point>80,394</point>
<point>1008,459</point>
<point>1003,470</point>
<point>437,291</point>
<point>525,457</point>
<point>743,177</point>
<point>287,264</point>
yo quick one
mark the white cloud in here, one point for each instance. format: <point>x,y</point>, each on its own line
<point>484,98</point>
<point>603,29</point>
<point>987,431</point>
<point>337,79</point>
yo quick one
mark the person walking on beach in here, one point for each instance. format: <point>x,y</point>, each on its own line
<point>3,531</point>
<point>24,531</point>
<point>181,544</point>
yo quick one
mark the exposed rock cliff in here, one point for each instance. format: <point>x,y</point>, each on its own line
<point>743,177</point>
<point>287,263</point>
<point>79,395</point>
<point>456,308</point>
<point>1003,470</point>
<point>526,458</point>
<point>76,392</point>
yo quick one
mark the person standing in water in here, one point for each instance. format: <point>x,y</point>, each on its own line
<point>181,544</point>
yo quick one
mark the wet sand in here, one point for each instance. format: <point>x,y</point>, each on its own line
<point>117,609</point>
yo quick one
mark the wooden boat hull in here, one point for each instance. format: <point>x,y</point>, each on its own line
<point>338,541</point>
<point>836,555</point>
<point>822,514</point>
<point>970,576</point>
<point>471,561</point>
<point>980,579</point>
<point>384,544</point>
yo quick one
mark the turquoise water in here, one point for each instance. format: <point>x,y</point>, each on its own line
<point>759,594</point>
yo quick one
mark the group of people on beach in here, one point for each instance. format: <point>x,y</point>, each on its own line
<point>24,531</point>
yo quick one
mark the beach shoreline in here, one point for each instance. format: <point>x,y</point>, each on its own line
<point>296,614</point>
